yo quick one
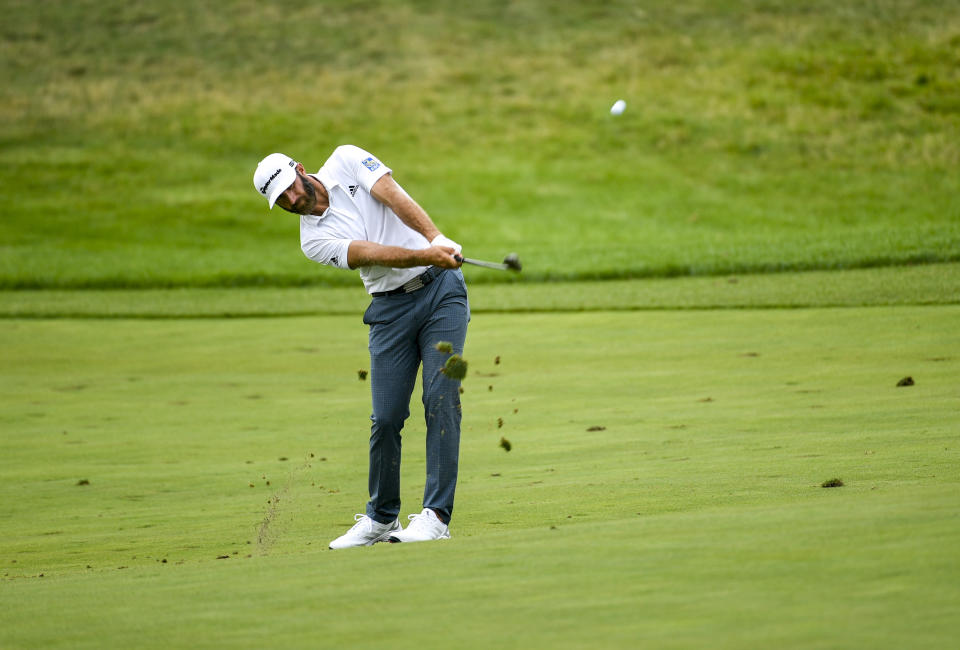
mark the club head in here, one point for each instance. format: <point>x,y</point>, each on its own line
<point>512,262</point>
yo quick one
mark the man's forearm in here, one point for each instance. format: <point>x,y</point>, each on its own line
<point>416,218</point>
<point>365,253</point>
<point>387,191</point>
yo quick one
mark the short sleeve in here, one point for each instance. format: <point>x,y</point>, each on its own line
<point>331,251</point>
<point>362,165</point>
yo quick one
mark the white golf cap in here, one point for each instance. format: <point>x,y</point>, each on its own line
<point>274,175</point>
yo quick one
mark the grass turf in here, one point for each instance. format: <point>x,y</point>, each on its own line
<point>694,517</point>
<point>759,136</point>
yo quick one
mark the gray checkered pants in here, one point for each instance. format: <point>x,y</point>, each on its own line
<point>404,331</point>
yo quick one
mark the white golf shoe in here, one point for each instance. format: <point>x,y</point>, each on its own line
<point>423,527</point>
<point>366,532</point>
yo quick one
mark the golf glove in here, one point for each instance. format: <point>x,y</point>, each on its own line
<point>440,240</point>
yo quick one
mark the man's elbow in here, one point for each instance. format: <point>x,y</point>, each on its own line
<point>358,254</point>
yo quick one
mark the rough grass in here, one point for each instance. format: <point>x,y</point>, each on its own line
<point>758,135</point>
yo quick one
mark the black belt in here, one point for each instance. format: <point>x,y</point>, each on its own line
<point>415,284</point>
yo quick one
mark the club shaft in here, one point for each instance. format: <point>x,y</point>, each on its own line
<point>489,265</point>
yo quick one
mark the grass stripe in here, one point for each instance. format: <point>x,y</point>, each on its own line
<point>912,285</point>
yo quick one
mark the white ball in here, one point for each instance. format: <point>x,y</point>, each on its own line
<point>618,107</point>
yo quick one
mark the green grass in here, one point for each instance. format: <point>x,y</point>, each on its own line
<point>694,518</point>
<point>758,136</point>
<point>182,438</point>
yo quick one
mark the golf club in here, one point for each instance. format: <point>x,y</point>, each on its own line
<point>510,263</point>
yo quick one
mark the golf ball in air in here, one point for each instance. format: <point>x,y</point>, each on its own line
<point>618,107</point>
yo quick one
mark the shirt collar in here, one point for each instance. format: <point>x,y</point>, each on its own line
<point>329,182</point>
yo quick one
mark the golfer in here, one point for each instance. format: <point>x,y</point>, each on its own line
<point>353,215</point>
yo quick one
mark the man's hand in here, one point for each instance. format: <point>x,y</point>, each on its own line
<point>443,256</point>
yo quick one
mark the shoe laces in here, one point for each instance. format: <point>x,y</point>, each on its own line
<point>422,520</point>
<point>363,523</point>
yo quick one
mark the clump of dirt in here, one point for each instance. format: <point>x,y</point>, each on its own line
<point>832,483</point>
<point>496,361</point>
<point>505,444</point>
<point>444,346</point>
<point>499,423</point>
<point>362,374</point>
<point>83,481</point>
<point>597,427</point>
<point>455,367</point>
<point>906,381</point>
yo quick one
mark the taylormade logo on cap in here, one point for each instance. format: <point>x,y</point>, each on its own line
<point>274,175</point>
<point>263,190</point>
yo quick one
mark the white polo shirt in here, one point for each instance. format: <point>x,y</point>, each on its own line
<point>353,215</point>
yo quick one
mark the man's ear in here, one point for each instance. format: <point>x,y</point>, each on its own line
<point>299,168</point>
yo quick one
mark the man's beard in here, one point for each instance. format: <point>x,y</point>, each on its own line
<point>305,204</point>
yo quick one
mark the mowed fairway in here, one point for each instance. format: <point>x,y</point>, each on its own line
<point>690,516</point>
<point>722,287</point>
